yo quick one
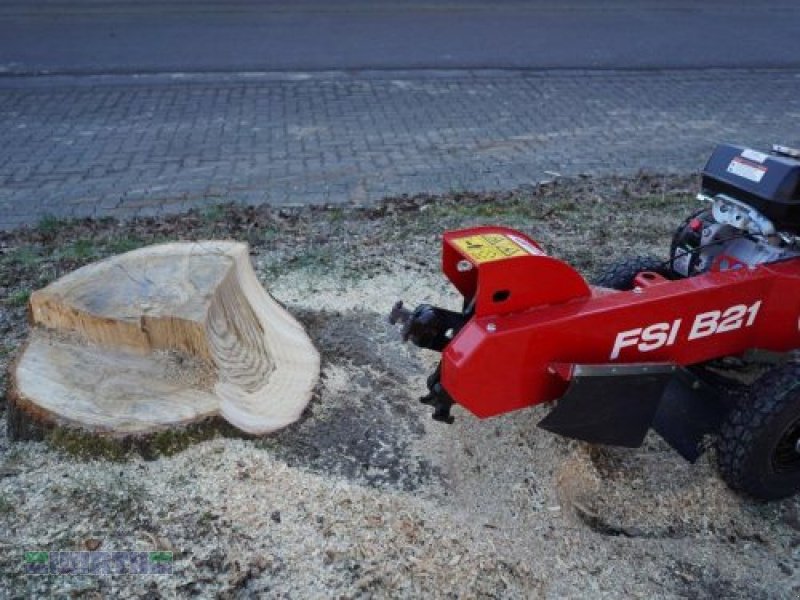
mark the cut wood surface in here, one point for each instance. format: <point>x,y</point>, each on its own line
<point>160,337</point>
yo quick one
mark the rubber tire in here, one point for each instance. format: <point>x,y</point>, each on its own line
<point>620,275</point>
<point>752,430</point>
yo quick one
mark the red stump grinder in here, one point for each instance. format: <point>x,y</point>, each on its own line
<point>651,343</point>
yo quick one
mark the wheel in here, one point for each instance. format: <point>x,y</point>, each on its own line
<point>620,275</point>
<point>759,443</point>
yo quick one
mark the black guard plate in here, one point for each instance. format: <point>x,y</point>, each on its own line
<point>610,405</point>
<point>690,410</point>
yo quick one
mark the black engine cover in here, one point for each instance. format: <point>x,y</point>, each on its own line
<point>768,182</point>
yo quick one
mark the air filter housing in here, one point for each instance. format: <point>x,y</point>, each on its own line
<point>769,183</point>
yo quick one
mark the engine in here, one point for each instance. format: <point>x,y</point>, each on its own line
<point>752,216</point>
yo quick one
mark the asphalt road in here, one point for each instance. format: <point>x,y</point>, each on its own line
<point>108,36</point>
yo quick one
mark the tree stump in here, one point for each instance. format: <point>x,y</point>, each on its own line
<point>161,338</point>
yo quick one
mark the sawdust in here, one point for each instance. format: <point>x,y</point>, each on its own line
<point>366,496</point>
<point>186,370</point>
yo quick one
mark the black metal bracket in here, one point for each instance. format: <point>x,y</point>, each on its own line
<point>428,326</point>
<point>438,398</point>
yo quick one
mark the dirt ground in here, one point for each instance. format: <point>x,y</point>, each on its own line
<point>366,496</point>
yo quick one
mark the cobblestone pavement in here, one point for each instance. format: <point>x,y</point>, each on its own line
<point>124,146</point>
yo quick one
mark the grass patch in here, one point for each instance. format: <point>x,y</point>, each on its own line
<point>125,244</point>
<point>18,298</point>
<point>81,249</point>
<point>5,506</point>
<point>336,214</point>
<point>268,235</point>
<point>316,259</point>
<point>49,224</point>
<point>482,210</point>
<point>24,256</point>
<point>671,201</point>
<point>213,214</point>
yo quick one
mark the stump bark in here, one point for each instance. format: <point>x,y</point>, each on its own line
<point>163,337</point>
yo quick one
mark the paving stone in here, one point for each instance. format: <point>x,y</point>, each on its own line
<point>119,146</point>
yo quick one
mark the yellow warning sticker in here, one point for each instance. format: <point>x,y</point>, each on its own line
<point>489,247</point>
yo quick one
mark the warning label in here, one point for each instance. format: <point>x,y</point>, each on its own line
<point>748,170</point>
<point>492,246</point>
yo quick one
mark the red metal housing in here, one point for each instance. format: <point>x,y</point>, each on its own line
<point>535,316</point>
